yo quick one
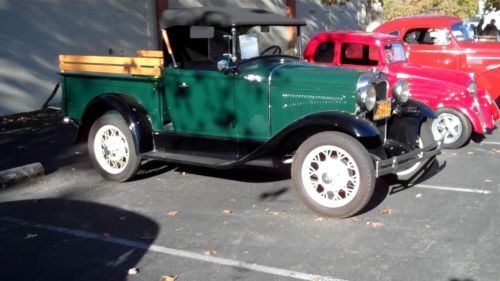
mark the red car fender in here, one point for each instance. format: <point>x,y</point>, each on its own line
<point>488,80</point>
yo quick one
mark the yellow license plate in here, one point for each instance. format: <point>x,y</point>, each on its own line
<point>382,110</point>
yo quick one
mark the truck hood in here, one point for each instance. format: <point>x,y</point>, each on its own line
<point>430,81</point>
<point>429,84</point>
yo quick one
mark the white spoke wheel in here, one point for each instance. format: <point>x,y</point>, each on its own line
<point>453,125</point>
<point>111,148</point>
<point>333,174</point>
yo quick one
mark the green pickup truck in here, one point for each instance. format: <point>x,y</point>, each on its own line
<point>224,93</point>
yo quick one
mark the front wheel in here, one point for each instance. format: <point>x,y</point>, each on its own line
<point>453,125</point>
<point>333,174</point>
<point>111,148</point>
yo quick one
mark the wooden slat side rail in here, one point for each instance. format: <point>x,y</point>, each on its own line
<point>150,54</point>
<point>117,69</point>
<point>149,66</point>
<point>111,60</point>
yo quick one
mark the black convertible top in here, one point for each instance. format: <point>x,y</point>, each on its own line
<point>224,17</point>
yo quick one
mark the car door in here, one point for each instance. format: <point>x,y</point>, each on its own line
<point>200,102</point>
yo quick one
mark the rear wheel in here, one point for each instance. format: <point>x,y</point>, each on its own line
<point>453,125</point>
<point>111,148</point>
<point>333,174</point>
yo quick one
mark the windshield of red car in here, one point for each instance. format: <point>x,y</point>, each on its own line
<point>394,52</point>
<point>461,32</point>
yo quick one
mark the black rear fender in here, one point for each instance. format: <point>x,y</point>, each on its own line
<point>133,113</point>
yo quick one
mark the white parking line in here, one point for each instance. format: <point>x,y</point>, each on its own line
<point>172,252</point>
<point>491,142</point>
<point>457,189</point>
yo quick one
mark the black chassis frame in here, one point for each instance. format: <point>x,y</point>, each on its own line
<point>392,150</point>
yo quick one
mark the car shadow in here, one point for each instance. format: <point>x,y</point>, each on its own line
<point>59,239</point>
<point>389,185</point>
<point>39,136</point>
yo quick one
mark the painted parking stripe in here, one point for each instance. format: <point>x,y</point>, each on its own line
<point>491,142</point>
<point>457,189</point>
<point>171,251</point>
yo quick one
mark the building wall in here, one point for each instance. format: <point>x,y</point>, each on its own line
<point>34,32</point>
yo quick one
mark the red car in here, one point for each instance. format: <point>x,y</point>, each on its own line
<point>451,93</point>
<point>444,42</point>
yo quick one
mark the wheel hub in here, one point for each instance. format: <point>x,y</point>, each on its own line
<point>332,176</point>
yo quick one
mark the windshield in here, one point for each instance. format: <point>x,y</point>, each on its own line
<point>394,52</point>
<point>265,41</point>
<point>461,32</point>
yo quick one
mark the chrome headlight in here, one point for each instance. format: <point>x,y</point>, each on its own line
<point>402,91</point>
<point>367,96</point>
<point>472,89</point>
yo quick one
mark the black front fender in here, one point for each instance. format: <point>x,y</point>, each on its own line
<point>133,113</point>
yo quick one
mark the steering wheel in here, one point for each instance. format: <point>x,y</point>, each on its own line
<point>273,49</point>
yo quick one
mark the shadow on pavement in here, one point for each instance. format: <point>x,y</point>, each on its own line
<point>38,136</point>
<point>51,239</point>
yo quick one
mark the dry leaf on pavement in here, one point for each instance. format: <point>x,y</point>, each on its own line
<point>133,271</point>
<point>210,253</point>
<point>168,278</point>
<point>385,211</point>
<point>375,224</point>
<point>319,219</point>
<point>173,213</point>
<point>29,236</point>
<point>419,195</point>
<point>227,212</point>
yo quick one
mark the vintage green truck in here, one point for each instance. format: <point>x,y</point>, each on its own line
<point>223,93</point>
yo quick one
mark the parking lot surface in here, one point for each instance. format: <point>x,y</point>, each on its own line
<point>248,224</point>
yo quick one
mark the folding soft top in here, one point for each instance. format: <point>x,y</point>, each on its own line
<point>224,17</point>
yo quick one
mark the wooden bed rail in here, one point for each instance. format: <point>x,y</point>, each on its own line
<point>148,63</point>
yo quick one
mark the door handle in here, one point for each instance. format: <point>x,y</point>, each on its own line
<point>183,85</point>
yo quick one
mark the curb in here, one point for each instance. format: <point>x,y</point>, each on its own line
<point>19,174</point>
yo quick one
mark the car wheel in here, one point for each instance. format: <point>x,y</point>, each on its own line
<point>111,148</point>
<point>453,125</point>
<point>425,138</point>
<point>333,174</point>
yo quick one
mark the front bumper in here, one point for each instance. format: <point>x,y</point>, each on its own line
<point>402,162</point>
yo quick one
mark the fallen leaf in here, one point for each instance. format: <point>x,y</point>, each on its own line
<point>419,195</point>
<point>227,212</point>
<point>274,213</point>
<point>210,253</point>
<point>319,219</point>
<point>375,224</point>
<point>30,235</point>
<point>168,278</point>
<point>173,213</point>
<point>133,271</point>
<point>487,180</point>
<point>267,210</point>
<point>385,211</point>
<point>470,152</point>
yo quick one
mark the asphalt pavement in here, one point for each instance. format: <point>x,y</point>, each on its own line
<point>244,224</point>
